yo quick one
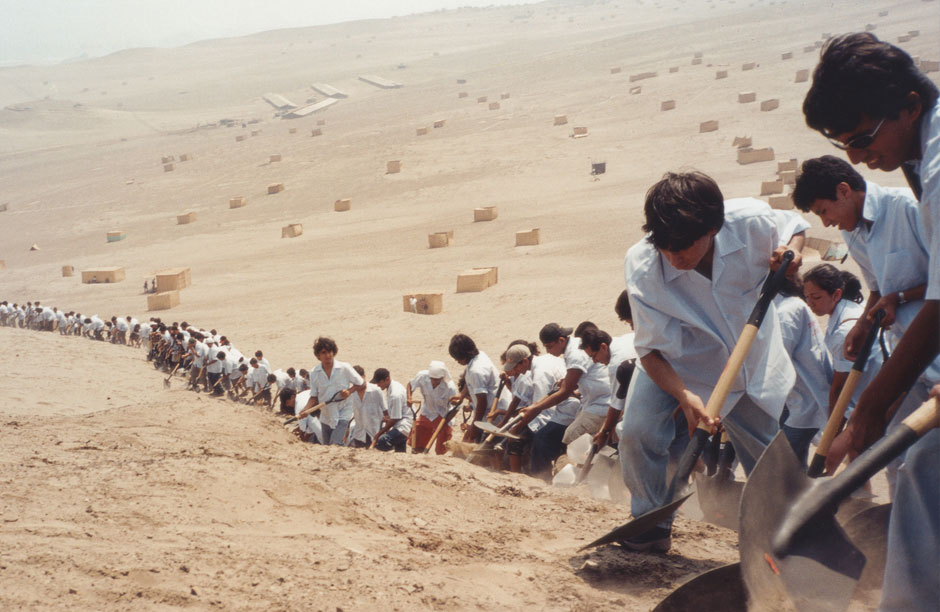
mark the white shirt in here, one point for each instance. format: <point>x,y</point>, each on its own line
<point>436,400</point>
<point>396,398</point>
<point>928,168</point>
<point>121,325</point>
<point>808,402</point>
<point>215,365</point>
<point>201,351</point>
<point>323,387</point>
<point>547,373</point>
<point>694,322</point>
<point>481,377</point>
<point>310,424</point>
<point>594,386</point>
<point>368,411</point>
<point>841,320</point>
<point>621,349</point>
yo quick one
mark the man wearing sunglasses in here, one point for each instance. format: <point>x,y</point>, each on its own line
<point>870,100</point>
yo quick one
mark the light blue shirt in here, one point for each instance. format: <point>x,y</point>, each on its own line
<point>694,322</point>
<point>892,253</point>
<point>808,402</point>
<point>928,168</point>
<point>842,320</point>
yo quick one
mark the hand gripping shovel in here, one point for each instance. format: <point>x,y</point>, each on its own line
<point>305,413</point>
<point>792,548</point>
<point>166,381</point>
<point>834,424</point>
<point>719,496</point>
<point>700,438</point>
<point>447,417</point>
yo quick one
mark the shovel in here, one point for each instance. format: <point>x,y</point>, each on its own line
<point>493,430</point>
<point>834,424</point>
<point>719,496</point>
<point>792,548</point>
<point>586,467</point>
<point>447,417</point>
<point>720,588</point>
<point>166,381</point>
<point>486,446</point>
<point>305,413</point>
<point>700,438</point>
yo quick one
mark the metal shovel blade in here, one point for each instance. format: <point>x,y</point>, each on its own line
<point>868,530</point>
<point>720,499</point>
<point>640,524</point>
<point>494,430</point>
<point>720,588</point>
<point>823,567</point>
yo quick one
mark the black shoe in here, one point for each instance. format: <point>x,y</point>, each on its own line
<point>657,539</point>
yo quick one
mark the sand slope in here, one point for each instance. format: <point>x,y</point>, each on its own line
<point>160,498</point>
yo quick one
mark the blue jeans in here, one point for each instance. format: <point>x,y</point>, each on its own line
<point>334,435</point>
<point>546,447</point>
<point>392,440</point>
<point>650,437</point>
<point>798,437</point>
<point>911,581</point>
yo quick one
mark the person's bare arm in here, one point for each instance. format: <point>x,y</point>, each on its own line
<point>565,390</point>
<point>666,378</point>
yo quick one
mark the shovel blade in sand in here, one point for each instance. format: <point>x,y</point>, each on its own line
<point>494,430</point>
<point>640,524</point>
<point>821,571</point>
<point>720,500</point>
<point>720,588</point>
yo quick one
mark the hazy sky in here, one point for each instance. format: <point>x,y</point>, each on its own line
<point>41,31</point>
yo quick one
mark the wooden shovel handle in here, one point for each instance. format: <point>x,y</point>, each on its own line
<point>745,340</point>
<point>834,424</point>
<point>924,418</point>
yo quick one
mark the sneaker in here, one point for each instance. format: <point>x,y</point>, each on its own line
<point>657,539</point>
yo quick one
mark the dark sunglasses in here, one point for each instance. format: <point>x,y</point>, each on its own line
<point>862,141</point>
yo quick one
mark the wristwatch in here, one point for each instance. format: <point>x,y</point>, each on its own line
<point>901,298</point>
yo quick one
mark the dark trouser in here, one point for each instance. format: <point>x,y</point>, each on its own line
<point>798,437</point>
<point>214,383</point>
<point>546,447</point>
<point>392,440</point>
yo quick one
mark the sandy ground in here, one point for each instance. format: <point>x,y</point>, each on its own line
<point>112,485</point>
<point>147,498</point>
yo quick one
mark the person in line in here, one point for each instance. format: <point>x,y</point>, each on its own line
<point>693,281</point>
<point>869,99</point>
<point>807,407</point>
<point>370,409</point>
<point>437,389</point>
<point>558,342</point>
<point>882,227</point>
<point>481,378</point>
<point>329,377</point>
<point>397,426</point>
<point>838,294</point>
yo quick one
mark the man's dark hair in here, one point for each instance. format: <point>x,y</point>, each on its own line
<point>681,208</point>
<point>819,178</point>
<point>220,355</point>
<point>361,371</point>
<point>462,348</point>
<point>858,74</point>
<point>325,343</point>
<point>291,372</point>
<point>272,378</point>
<point>622,307</point>
<point>593,338</point>
<point>582,327</point>
<point>285,395</point>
